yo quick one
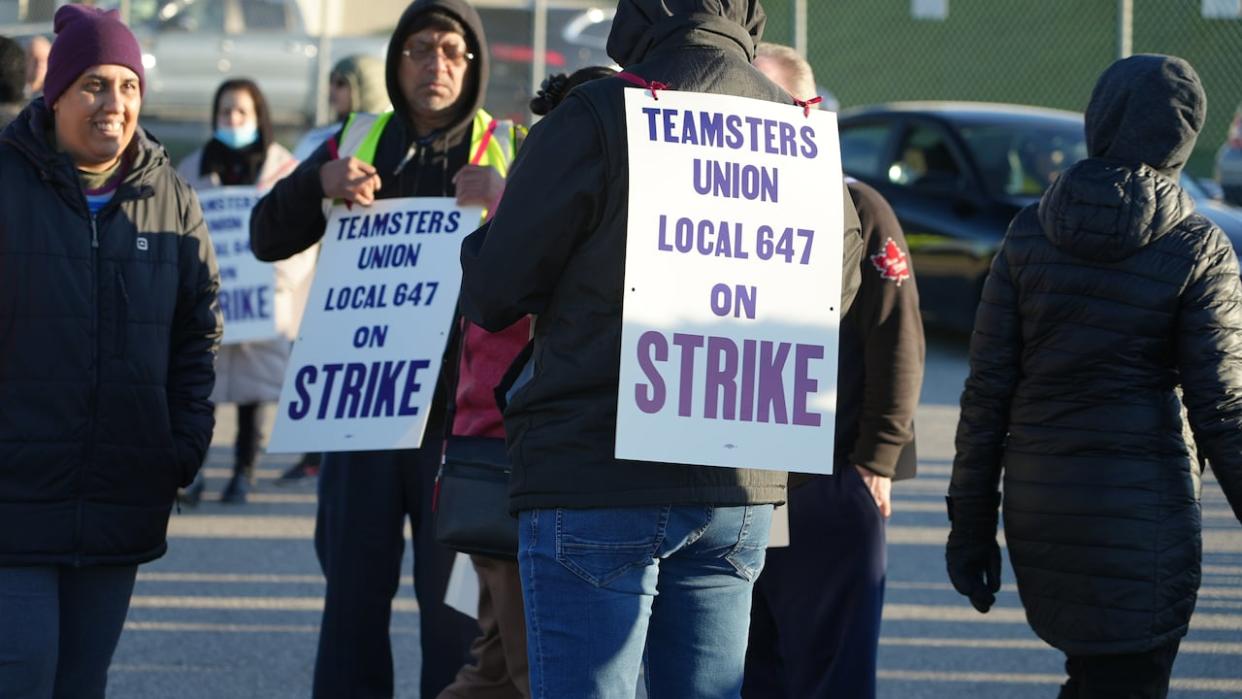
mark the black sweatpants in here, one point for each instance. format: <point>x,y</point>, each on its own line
<point>249,436</point>
<point>815,618</point>
<point>1131,676</point>
<point>364,500</point>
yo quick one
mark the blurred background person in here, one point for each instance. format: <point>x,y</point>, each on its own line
<point>815,620</point>
<point>242,151</point>
<point>500,669</point>
<point>110,322</point>
<point>356,84</point>
<point>36,65</point>
<point>12,80</point>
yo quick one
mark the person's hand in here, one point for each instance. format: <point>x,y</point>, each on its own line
<point>479,186</point>
<point>881,489</point>
<point>349,179</point>
<point>972,555</point>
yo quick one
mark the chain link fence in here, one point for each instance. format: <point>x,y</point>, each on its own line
<point>1047,53</point>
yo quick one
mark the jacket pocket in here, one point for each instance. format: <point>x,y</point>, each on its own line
<point>122,315</point>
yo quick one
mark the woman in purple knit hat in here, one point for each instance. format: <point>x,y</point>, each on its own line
<point>108,327</point>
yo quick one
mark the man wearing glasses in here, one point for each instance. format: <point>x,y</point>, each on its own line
<point>437,142</point>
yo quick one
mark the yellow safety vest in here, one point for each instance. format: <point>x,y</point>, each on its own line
<point>493,143</point>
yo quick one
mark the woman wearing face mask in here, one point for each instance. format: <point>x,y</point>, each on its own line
<point>243,152</point>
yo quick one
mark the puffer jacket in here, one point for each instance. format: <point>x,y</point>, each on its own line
<point>556,248</point>
<point>1104,299</point>
<point>108,328</point>
<point>251,372</point>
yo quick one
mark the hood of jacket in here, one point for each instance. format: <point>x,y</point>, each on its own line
<point>368,90</point>
<point>28,134</point>
<point>475,86</point>
<point>1106,210</point>
<point>640,26</point>
<point>1146,109</point>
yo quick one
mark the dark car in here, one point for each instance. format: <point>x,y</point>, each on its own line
<point>956,173</point>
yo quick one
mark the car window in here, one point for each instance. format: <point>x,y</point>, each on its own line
<point>192,16</point>
<point>263,15</point>
<point>1022,160</point>
<point>924,161</point>
<point>140,11</point>
<point>862,149</point>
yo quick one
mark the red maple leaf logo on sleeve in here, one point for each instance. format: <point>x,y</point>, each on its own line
<point>892,262</point>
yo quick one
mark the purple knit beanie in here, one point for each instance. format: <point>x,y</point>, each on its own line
<point>88,37</point>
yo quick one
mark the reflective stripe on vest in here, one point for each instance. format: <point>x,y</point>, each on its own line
<point>498,150</point>
<point>361,135</point>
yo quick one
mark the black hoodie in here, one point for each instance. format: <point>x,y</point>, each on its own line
<point>108,331</point>
<point>556,248</point>
<point>289,219</point>
<point>1103,299</point>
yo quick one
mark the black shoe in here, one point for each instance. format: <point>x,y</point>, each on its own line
<point>192,494</point>
<point>237,489</point>
<point>298,472</point>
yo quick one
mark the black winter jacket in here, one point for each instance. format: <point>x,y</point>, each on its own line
<point>556,248</point>
<point>108,331</point>
<point>1102,301</point>
<point>880,364</point>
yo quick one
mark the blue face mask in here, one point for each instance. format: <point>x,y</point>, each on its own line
<point>237,138</point>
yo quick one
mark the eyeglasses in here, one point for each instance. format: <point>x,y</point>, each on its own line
<point>455,54</point>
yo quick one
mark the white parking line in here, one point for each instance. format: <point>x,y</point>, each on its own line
<point>180,627</point>
<point>265,604</point>
<point>1214,540</point>
<point>1192,647</point>
<point>1011,615</point>
<point>246,578</point>
<point>1198,684</point>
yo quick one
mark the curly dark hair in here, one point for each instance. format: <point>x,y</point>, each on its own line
<point>554,87</point>
<point>12,71</point>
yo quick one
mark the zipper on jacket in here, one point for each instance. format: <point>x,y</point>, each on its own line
<point>89,456</point>
<point>122,316</point>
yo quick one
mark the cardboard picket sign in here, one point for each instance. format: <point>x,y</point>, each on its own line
<point>732,283</point>
<point>247,286</point>
<point>363,370</point>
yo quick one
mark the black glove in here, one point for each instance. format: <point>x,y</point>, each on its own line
<point>972,554</point>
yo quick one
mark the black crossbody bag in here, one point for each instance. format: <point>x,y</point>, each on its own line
<point>472,498</point>
<point>471,505</point>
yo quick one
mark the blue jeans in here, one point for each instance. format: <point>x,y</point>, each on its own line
<point>59,627</point>
<point>609,589</point>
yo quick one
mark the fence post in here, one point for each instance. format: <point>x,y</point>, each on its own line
<point>1125,28</point>
<point>539,44</point>
<point>799,27</point>
<point>323,66</point>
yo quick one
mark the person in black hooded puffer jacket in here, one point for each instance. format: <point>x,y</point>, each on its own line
<point>1104,300</point>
